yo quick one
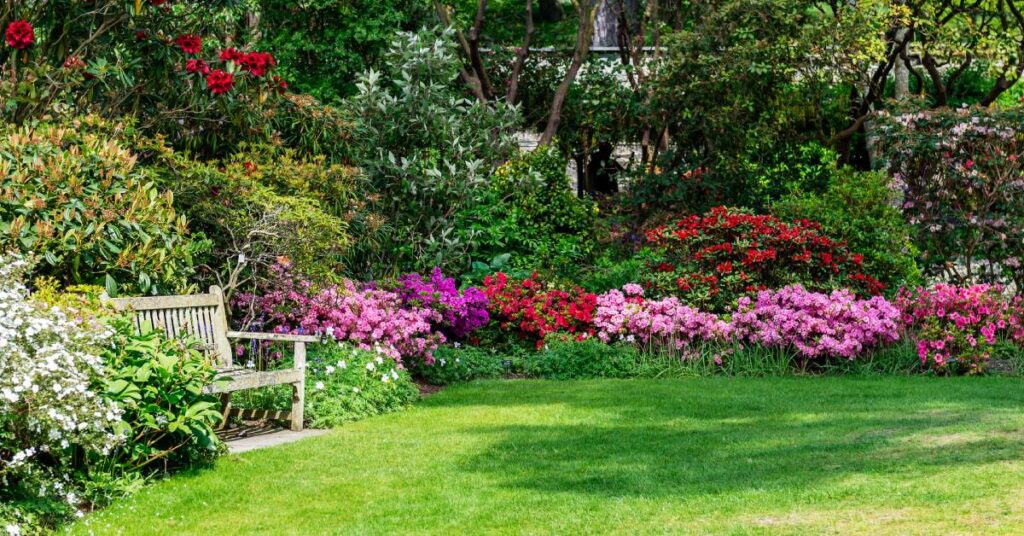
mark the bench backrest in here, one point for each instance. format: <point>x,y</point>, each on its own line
<point>200,315</point>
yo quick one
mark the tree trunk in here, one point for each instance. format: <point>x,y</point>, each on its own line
<point>584,32</point>
<point>551,10</point>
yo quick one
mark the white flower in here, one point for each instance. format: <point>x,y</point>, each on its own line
<point>355,389</point>
<point>456,344</point>
<point>319,386</point>
<point>342,364</point>
<point>370,366</point>
<point>13,530</point>
<point>379,360</point>
<point>329,369</point>
<point>394,374</point>
<point>384,378</point>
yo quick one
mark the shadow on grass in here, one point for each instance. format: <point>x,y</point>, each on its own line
<point>786,435</point>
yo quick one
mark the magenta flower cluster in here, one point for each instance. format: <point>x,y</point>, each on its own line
<point>957,326</point>
<point>458,313</point>
<point>814,323</point>
<point>627,316</point>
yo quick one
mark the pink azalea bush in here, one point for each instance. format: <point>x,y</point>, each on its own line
<point>814,323</point>
<point>366,317</point>
<point>626,315</point>
<point>956,327</point>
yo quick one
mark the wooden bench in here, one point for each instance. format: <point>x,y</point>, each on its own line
<point>203,317</point>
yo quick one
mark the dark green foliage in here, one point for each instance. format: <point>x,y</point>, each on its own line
<point>322,45</point>
<point>861,208</point>
<point>529,213</point>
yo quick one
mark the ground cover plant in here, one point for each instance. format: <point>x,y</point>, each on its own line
<point>720,455</point>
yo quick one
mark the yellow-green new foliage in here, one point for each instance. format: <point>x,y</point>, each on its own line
<point>72,196</point>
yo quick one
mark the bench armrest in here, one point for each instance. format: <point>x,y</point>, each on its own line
<point>281,337</point>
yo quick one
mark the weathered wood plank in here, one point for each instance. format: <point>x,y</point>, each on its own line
<point>283,337</point>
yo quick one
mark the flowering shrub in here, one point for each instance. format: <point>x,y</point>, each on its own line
<point>961,173</point>
<point>368,318</point>
<point>51,373</point>
<point>955,327</point>
<point>535,309</point>
<point>712,259</point>
<point>816,324</point>
<point>459,313</point>
<point>666,323</point>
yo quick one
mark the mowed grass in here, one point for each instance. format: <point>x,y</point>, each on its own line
<point>906,455</point>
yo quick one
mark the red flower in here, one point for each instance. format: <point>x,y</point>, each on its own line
<point>279,84</point>
<point>967,165</point>
<point>140,35</point>
<point>231,54</point>
<point>258,63</point>
<point>158,2</point>
<point>20,34</point>
<point>250,168</point>
<point>74,63</point>
<point>189,43</point>
<point>197,66</point>
<point>724,267</point>
<point>219,81</point>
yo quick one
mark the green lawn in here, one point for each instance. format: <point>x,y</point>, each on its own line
<point>907,455</point>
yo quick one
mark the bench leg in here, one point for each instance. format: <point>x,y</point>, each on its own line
<point>298,401</point>
<point>225,409</point>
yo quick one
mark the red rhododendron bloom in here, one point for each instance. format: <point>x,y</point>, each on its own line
<point>197,66</point>
<point>20,34</point>
<point>219,81</point>
<point>189,43</point>
<point>74,63</point>
<point>280,84</point>
<point>231,54</point>
<point>258,63</point>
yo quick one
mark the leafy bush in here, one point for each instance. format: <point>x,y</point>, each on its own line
<point>158,383</point>
<point>345,384</point>
<point>260,206</point>
<point>461,364</point>
<point>960,173</point>
<point>530,213</point>
<point>73,196</point>
<point>427,152</point>
<point>862,210</point>
<point>713,259</point>
<point>565,358</point>
<point>816,324</point>
<point>534,309</point>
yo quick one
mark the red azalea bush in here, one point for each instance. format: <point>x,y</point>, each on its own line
<point>535,309</point>
<point>713,259</point>
<point>956,327</point>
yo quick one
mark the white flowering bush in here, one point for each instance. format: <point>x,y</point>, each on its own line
<point>51,377</point>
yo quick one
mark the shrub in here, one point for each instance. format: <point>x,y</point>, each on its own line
<point>345,384</point>
<point>960,173</point>
<point>713,259</point>
<point>427,152</point>
<point>159,385</point>
<point>365,317</point>
<point>51,409</point>
<point>861,209</point>
<point>565,358</point>
<point>957,327</point>
<point>73,196</point>
<point>259,206</point>
<point>459,313</point>
<point>461,364</point>
<point>534,309</point>
<point>530,213</point>
<point>816,324</point>
<point>654,324</point>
